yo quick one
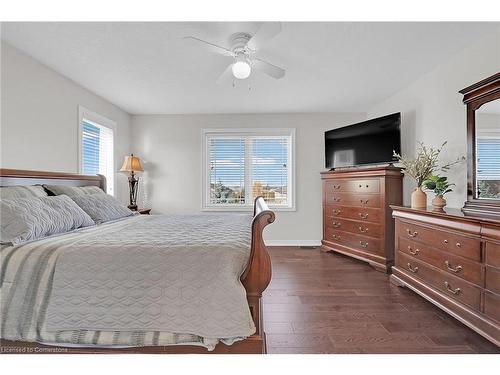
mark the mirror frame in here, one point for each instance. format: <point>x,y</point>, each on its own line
<point>475,96</point>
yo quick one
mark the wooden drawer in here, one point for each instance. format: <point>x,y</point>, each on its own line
<point>492,306</point>
<point>493,254</point>
<point>356,186</point>
<point>354,226</point>
<point>451,286</point>
<point>454,265</point>
<point>353,199</point>
<point>363,214</point>
<point>440,239</point>
<point>492,279</point>
<point>362,243</point>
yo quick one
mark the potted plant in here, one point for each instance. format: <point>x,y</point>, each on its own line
<point>421,168</point>
<point>440,186</point>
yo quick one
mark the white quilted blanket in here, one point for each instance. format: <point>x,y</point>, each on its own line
<point>174,273</point>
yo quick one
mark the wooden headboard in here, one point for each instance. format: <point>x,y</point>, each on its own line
<point>13,177</point>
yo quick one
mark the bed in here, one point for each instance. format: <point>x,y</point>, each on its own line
<point>161,283</point>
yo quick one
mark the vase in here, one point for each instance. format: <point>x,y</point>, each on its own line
<point>438,202</point>
<point>418,198</point>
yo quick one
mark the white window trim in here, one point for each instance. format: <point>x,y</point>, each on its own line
<point>84,113</point>
<point>289,132</point>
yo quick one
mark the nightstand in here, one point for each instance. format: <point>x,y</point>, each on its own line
<point>144,211</point>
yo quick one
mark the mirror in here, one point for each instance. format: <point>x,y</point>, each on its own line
<point>487,173</point>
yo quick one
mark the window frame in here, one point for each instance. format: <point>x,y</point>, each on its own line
<point>245,132</point>
<point>97,119</point>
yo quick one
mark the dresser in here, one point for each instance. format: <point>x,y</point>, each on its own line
<point>357,218</point>
<point>453,261</point>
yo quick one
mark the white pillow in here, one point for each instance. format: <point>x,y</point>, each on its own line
<point>24,191</point>
<point>102,207</point>
<point>26,219</point>
<point>73,191</point>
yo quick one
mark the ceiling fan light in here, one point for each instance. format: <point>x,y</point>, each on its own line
<point>241,69</point>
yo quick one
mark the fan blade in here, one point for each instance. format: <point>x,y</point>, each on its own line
<point>267,31</point>
<point>226,77</point>
<point>212,47</point>
<point>268,68</point>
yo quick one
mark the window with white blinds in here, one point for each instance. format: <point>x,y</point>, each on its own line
<point>96,136</point>
<point>488,163</point>
<point>241,165</point>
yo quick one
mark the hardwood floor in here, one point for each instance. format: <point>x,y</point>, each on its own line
<point>328,303</point>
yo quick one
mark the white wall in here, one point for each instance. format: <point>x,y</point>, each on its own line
<point>432,109</point>
<point>39,118</point>
<point>170,148</point>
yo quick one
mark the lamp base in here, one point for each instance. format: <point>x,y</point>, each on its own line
<point>132,207</point>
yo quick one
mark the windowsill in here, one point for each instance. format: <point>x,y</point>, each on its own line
<point>245,209</point>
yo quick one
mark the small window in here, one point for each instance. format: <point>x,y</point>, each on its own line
<point>488,167</point>
<point>242,164</point>
<point>96,146</point>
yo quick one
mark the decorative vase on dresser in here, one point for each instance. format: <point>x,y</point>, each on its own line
<point>356,214</point>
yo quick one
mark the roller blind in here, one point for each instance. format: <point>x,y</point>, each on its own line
<point>244,166</point>
<point>97,152</point>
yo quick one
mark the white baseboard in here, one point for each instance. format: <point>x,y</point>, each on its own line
<point>293,242</point>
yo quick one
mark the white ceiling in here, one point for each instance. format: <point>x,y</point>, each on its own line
<point>146,68</point>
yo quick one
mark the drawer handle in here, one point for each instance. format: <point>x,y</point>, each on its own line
<point>363,244</point>
<point>450,289</point>
<point>335,237</point>
<point>336,186</point>
<point>336,199</point>
<point>458,244</point>
<point>364,201</point>
<point>360,185</point>
<point>367,185</point>
<point>336,224</point>
<point>445,241</point>
<point>411,234</point>
<point>363,216</point>
<point>457,269</point>
<point>363,230</point>
<point>414,270</point>
<point>413,252</point>
<point>336,212</point>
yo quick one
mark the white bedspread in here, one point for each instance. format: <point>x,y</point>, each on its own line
<point>143,278</point>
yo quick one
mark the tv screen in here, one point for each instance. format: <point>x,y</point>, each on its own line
<point>368,142</point>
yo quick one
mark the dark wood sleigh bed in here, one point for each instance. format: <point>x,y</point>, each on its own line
<point>255,278</point>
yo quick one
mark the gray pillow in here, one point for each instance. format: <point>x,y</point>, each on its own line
<point>28,191</point>
<point>102,207</point>
<point>74,191</point>
<point>25,219</point>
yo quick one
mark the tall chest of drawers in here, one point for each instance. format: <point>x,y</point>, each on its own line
<point>356,214</point>
<point>453,261</point>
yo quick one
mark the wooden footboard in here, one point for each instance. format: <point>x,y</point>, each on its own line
<point>257,275</point>
<point>255,278</point>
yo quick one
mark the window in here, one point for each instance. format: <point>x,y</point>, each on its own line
<point>242,164</point>
<point>488,165</point>
<point>96,146</point>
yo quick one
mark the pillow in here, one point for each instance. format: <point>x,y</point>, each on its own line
<point>29,191</point>
<point>73,191</point>
<point>102,207</point>
<point>25,219</point>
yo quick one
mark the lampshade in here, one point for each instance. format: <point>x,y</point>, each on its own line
<point>131,163</point>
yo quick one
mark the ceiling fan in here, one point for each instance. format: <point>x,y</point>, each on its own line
<point>242,51</point>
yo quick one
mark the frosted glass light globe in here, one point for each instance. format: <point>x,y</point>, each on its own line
<point>241,69</point>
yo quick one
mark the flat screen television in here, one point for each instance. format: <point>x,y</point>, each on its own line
<point>368,142</point>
